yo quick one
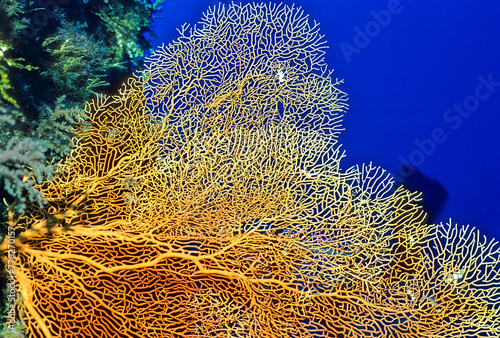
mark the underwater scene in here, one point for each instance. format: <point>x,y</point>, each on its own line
<point>249,169</point>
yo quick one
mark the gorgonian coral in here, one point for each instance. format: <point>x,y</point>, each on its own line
<point>206,199</point>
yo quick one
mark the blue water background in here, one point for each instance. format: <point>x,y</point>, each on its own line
<point>401,83</point>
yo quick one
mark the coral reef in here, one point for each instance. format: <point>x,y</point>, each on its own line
<point>126,22</point>
<point>58,127</point>
<point>51,49</point>
<point>75,70</point>
<point>21,166</point>
<point>54,55</point>
<point>206,199</point>
<point>7,63</point>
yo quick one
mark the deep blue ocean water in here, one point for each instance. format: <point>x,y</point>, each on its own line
<point>423,78</point>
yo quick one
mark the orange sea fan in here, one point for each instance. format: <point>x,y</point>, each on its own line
<point>206,199</point>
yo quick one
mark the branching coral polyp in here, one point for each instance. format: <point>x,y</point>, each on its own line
<point>206,199</point>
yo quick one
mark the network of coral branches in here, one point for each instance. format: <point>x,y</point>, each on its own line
<point>206,199</point>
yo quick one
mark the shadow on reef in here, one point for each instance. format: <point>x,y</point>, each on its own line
<point>434,195</point>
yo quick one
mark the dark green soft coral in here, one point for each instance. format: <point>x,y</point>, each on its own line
<point>79,61</point>
<point>48,73</point>
<point>126,22</point>
<point>8,63</point>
